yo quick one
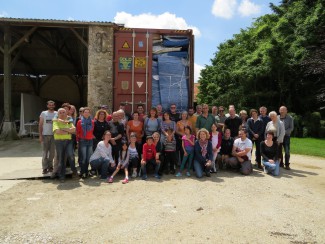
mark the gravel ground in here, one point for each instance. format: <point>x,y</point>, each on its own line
<point>226,208</point>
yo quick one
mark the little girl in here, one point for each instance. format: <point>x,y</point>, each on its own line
<point>170,151</point>
<point>215,138</point>
<point>188,148</point>
<point>134,154</point>
<point>122,164</point>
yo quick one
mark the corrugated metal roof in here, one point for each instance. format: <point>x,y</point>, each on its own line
<point>53,22</point>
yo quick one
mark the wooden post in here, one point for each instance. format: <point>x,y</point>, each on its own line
<point>9,128</point>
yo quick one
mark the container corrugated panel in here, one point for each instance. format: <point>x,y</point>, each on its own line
<point>153,66</point>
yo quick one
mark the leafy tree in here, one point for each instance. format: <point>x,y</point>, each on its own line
<point>279,60</point>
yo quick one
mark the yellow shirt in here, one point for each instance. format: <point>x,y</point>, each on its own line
<point>60,125</point>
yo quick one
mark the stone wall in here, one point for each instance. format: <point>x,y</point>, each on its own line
<point>100,66</point>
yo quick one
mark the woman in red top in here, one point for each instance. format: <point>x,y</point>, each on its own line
<point>85,128</point>
<point>149,157</point>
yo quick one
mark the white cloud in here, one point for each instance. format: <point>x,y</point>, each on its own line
<point>3,14</point>
<point>70,18</point>
<point>224,8</point>
<point>248,8</point>
<point>148,20</point>
<point>197,71</point>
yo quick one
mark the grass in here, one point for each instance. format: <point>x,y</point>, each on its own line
<point>308,146</point>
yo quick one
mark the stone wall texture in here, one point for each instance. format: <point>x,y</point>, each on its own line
<point>100,66</point>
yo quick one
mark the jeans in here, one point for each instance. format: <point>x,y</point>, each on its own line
<point>100,164</point>
<point>171,158</point>
<point>48,151</point>
<point>86,149</point>
<point>153,163</point>
<point>189,157</point>
<point>269,168</point>
<point>199,168</point>
<point>286,146</point>
<point>245,167</point>
<point>64,149</point>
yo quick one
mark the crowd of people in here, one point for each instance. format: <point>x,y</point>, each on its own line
<point>162,142</point>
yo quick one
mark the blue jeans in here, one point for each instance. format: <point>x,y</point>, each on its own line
<point>64,149</point>
<point>100,164</point>
<point>199,168</point>
<point>144,167</point>
<point>190,155</point>
<point>273,169</point>
<point>86,149</point>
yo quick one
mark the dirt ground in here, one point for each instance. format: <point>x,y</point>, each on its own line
<point>226,208</point>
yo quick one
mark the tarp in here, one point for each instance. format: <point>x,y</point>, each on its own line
<point>173,81</point>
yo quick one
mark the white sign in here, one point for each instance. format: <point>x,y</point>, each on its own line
<point>139,83</point>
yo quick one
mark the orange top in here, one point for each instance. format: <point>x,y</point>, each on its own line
<point>137,129</point>
<point>180,126</point>
<point>193,119</point>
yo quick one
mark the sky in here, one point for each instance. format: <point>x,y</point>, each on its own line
<point>212,21</point>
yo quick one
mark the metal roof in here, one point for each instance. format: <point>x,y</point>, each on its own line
<point>53,22</point>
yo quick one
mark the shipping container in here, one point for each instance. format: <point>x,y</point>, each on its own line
<point>153,66</point>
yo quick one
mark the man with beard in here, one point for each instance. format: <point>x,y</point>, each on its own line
<point>46,137</point>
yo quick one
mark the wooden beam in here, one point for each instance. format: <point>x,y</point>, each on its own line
<point>21,40</point>
<point>16,58</point>
<point>79,37</point>
<point>7,74</point>
<point>1,49</point>
<point>52,46</point>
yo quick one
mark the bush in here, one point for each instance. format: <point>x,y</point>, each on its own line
<point>312,122</point>
<point>298,125</point>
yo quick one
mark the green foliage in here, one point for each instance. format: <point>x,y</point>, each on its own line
<point>278,60</point>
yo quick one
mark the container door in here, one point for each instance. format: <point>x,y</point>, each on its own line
<point>132,86</point>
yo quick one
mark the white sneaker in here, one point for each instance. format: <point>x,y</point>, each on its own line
<point>134,174</point>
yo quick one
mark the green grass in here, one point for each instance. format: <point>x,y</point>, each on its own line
<point>308,146</point>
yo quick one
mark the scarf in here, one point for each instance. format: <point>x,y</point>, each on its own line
<point>86,125</point>
<point>203,145</point>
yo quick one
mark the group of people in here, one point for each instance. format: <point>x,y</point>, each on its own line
<point>195,140</point>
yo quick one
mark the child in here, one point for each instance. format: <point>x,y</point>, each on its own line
<point>134,154</point>
<point>215,138</point>
<point>188,148</point>
<point>149,156</point>
<point>170,150</point>
<point>123,163</point>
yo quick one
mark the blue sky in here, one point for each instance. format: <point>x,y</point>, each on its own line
<point>213,21</point>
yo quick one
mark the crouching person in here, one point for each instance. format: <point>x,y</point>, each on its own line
<point>203,153</point>
<point>269,152</point>
<point>62,130</point>
<point>101,160</point>
<point>241,153</point>
<point>149,157</point>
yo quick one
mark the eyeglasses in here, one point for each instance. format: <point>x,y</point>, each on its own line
<point>221,110</point>
<point>172,107</point>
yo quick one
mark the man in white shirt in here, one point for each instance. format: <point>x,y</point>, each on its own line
<point>241,152</point>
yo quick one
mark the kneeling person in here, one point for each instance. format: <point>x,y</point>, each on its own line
<point>241,153</point>
<point>149,157</point>
<point>102,158</point>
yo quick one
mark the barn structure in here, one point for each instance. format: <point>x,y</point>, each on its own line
<point>54,59</point>
<point>90,63</point>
